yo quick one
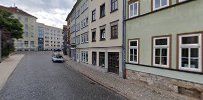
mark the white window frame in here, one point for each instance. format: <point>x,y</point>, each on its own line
<point>182,0</point>
<point>154,8</point>
<point>199,46</point>
<point>134,47</point>
<point>133,4</point>
<point>161,47</point>
<point>84,56</point>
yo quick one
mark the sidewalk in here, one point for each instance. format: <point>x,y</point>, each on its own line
<point>8,66</point>
<point>128,88</point>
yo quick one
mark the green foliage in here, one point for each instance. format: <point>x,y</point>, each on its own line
<point>9,24</point>
<point>11,29</point>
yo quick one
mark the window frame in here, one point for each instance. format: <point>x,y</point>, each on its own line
<point>101,10</point>
<point>113,35</point>
<point>138,7</point>
<point>101,57</point>
<point>189,46</point>
<point>134,47</point>
<point>94,39</point>
<point>154,8</point>
<point>94,14</point>
<point>115,8</point>
<point>103,34</point>
<point>168,47</point>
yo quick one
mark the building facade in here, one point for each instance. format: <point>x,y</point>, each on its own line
<point>53,38</point>
<point>41,30</point>
<point>105,45</point>
<point>30,36</point>
<point>97,32</point>
<point>164,44</point>
<point>78,22</point>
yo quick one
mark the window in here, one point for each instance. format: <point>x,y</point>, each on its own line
<point>133,9</point>
<point>102,34</point>
<point>102,10</point>
<point>26,43</point>
<point>82,39</point>
<point>161,47</point>
<point>133,51</point>
<point>94,15</point>
<point>32,43</point>
<point>94,36</point>
<point>26,34</point>
<point>114,5</point>
<point>102,59</point>
<point>86,38</point>
<point>94,58</point>
<point>114,31</point>
<point>158,4</point>
<point>190,52</point>
<point>84,56</point>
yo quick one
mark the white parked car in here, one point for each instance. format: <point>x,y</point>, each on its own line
<point>57,58</point>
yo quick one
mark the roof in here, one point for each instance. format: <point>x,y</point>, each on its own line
<point>76,4</point>
<point>16,10</point>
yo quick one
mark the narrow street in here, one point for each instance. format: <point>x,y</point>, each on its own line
<point>37,78</point>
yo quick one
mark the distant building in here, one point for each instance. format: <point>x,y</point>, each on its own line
<point>53,38</point>
<point>30,36</point>
<point>41,30</point>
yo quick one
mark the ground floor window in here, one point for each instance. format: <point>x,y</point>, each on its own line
<point>161,47</point>
<point>102,59</point>
<point>133,51</point>
<point>78,57</point>
<point>84,56</point>
<point>190,51</point>
<point>94,58</point>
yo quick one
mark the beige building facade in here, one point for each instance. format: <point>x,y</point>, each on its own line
<point>53,38</point>
<point>30,36</point>
<point>96,33</point>
<point>105,46</point>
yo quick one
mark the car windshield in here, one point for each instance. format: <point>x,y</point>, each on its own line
<point>59,56</point>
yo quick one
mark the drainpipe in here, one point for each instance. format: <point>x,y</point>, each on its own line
<point>0,44</point>
<point>75,40</point>
<point>124,40</point>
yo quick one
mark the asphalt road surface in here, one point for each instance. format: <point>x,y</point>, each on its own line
<point>37,78</point>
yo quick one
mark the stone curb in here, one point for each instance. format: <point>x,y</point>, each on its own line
<point>7,67</point>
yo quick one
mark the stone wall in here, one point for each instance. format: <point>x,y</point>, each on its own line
<point>169,84</point>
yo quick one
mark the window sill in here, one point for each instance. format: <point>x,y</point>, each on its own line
<point>102,39</point>
<point>102,17</point>
<point>113,38</point>
<point>112,11</point>
<point>93,21</point>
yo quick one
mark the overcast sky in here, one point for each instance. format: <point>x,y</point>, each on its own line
<point>49,12</point>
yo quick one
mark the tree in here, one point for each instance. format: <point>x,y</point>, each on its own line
<point>10,28</point>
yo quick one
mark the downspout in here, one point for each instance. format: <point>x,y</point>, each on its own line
<point>75,39</point>
<point>124,41</point>
<point>0,44</point>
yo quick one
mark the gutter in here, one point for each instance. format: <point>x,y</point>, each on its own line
<point>124,41</point>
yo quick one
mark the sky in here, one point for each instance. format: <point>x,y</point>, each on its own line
<point>49,12</point>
